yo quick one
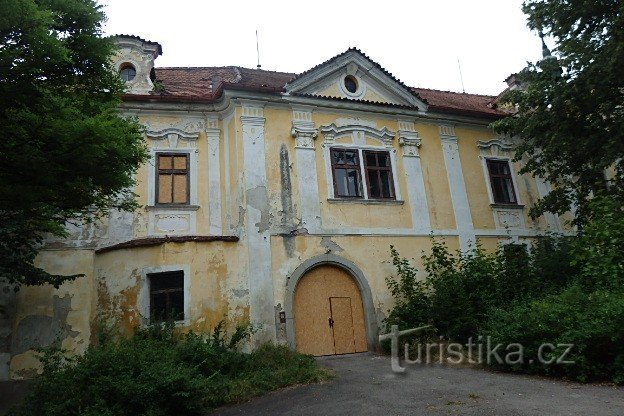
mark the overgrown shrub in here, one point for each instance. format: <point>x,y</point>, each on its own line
<point>592,322</point>
<point>564,290</point>
<point>460,289</point>
<point>160,372</point>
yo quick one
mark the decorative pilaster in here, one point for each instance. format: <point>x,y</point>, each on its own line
<point>257,223</point>
<point>304,132</point>
<point>459,196</point>
<point>303,129</point>
<point>410,143</point>
<point>214,176</point>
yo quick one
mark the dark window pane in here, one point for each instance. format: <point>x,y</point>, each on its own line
<point>159,306</point>
<point>510,196</point>
<point>167,280</point>
<point>166,296</point>
<point>351,158</point>
<point>379,174</point>
<point>350,84</point>
<point>386,185</point>
<point>375,186</point>
<point>501,182</point>
<point>338,157</point>
<point>371,159</point>
<point>176,305</point>
<point>384,159</point>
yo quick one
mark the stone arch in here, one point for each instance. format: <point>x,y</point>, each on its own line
<point>370,317</point>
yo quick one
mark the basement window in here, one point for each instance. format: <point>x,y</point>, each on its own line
<point>166,296</point>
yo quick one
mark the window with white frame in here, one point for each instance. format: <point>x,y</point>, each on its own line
<point>501,181</point>
<point>354,170</point>
<point>166,296</point>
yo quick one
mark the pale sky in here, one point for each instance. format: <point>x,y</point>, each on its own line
<point>417,41</point>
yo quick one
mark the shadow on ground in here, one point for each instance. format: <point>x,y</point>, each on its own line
<point>365,385</point>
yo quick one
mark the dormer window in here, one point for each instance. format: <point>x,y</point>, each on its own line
<point>351,84</point>
<point>127,72</point>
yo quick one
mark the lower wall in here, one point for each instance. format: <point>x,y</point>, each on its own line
<point>115,287</point>
<point>41,315</point>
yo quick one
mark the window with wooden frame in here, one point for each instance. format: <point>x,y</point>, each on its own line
<point>501,182</point>
<point>166,296</point>
<point>172,179</point>
<point>350,175</point>
<point>346,172</point>
<point>378,174</point>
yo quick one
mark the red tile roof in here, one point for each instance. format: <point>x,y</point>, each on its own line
<point>207,84</point>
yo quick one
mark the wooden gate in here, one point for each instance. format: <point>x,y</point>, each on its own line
<point>328,313</point>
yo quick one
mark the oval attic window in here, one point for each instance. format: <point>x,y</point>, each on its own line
<point>127,72</point>
<point>351,84</point>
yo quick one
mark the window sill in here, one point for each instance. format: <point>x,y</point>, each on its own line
<point>364,201</point>
<point>172,207</point>
<point>508,206</point>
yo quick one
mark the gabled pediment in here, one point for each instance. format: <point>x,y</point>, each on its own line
<point>354,76</point>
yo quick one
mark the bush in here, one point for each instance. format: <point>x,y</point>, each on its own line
<point>159,372</point>
<point>460,289</point>
<point>565,290</point>
<point>593,323</point>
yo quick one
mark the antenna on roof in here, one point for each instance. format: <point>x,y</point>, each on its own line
<point>461,77</point>
<point>258,50</point>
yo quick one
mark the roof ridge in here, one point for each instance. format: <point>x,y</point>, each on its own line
<point>454,92</point>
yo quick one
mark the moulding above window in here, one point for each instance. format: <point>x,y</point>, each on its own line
<point>502,144</point>
<point>172,135</point>
<point>358,133</point>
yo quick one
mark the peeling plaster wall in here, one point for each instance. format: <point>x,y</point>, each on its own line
<point>261,192</point>
<point>43,316</point>
<point>218,288</point>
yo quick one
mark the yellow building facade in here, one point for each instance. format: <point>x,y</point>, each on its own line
<point>273,198</point>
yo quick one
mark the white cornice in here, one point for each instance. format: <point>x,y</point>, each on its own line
<point>285,101</point>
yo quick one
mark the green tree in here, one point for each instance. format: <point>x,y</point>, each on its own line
<point>570,112</point>
<point>66,153</point>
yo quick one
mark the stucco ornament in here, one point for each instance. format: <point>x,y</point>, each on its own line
<point>495,147</point>
<point>408,139</point>
<point>304,135</point>
<point>333,132</point>
<point>140,55</point>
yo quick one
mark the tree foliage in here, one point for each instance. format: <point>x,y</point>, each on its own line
<point>66,153</point>
<point>570,113</point>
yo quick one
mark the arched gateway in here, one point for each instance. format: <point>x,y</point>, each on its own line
<point>329,304</point>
